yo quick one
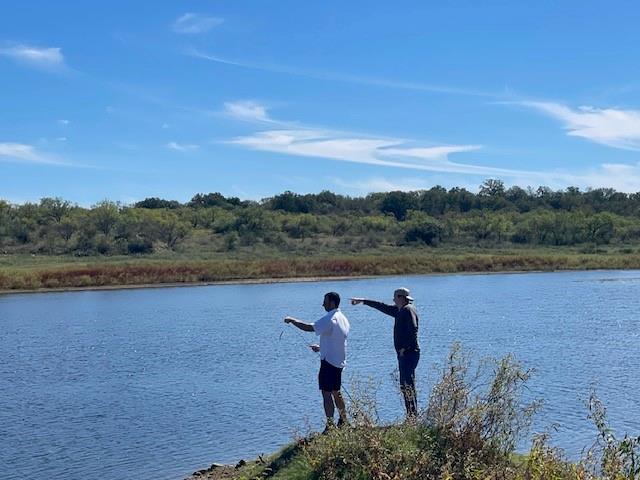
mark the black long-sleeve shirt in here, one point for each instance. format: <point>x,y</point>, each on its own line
<point>405,328</point>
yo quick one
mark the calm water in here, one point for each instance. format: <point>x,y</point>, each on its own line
<point>157,383</point>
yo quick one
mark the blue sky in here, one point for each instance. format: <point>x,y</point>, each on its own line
<point>127,100</point>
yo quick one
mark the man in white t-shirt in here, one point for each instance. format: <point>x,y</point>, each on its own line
<point>333,329</point>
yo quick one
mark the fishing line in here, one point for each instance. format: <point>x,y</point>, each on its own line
<point>302,338</point>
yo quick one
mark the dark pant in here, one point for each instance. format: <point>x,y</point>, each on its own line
<point>407,363</point>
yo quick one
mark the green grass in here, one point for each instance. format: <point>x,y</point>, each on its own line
<point>289,463</point>
<point>404,451</point>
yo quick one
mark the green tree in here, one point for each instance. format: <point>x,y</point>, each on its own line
<point>5,222</point>
<point>254,222</point>
<point>499,225</point>
<point>420,227</point>
<point>399,203</point>
<point>216,199</point>
<point>105,216</point>
<point>477,227</point>
<point>434,201</point>
<point>301,226</point>
<point>492,188</point>
<point>154,203</point>
<point>172,230</point>
<point>460,199</point>
<point>289,202</point>
<point>53,209</point>
<point>601,227</point>
<point>519,198</point>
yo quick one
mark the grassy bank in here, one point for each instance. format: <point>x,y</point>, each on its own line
<point>416,446</point>
<point>417,452</point>
<point>49,272</point>
<point>474,419</point>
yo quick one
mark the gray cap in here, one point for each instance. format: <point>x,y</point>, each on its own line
<point>403,292</point>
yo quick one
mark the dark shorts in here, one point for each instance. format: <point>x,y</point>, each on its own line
<point>329,377</point>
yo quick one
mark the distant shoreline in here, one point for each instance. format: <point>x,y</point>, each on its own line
<point>262,281</point>
<point>247,281</point>
<point>59,274</point>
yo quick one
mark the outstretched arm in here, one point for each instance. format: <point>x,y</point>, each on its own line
<point>382,307</point>
<point>304,326</point>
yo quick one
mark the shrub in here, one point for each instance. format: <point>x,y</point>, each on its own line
<point>463,433</point>
<point>609,456</point>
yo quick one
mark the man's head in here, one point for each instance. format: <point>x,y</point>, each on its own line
<point>401,297</point>
<point>331,301</point>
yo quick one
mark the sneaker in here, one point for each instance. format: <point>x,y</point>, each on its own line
<point>328,429</point>
<point>343,423</point>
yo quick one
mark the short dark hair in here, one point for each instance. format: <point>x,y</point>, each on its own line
<point>333,297</point>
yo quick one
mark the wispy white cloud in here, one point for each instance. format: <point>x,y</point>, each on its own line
<point>20,151</point>
<point>361,149</point>
<point>608,126</point>
<point>302,141</point>
<point>182,147</point>
<point>622,177</point>
<point>63,122</point>
<point>248,110</point>
<point>294,139</point>
<point>41,57</point>
<point>193,23</point>
<point>347,78</point>
<point>23,153</point>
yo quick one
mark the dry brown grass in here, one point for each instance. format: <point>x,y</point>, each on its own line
<point>158,272</point>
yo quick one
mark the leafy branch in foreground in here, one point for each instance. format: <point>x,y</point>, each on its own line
<point>612,458</point>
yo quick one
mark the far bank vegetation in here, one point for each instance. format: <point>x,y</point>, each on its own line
<point>325,222</point>
<point>54,243</point>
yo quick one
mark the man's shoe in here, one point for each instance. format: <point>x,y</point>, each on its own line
<point>330,426</point>
<point>343,423</point>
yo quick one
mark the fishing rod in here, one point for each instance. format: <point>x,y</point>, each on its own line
<point>302,338</point>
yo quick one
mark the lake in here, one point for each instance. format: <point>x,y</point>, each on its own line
<point>156,383</point>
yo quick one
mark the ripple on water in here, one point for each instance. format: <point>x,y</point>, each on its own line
<point>156,383</point>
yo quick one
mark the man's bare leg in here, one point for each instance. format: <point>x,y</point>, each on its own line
<point>329,408</point>
<point>342,408</point>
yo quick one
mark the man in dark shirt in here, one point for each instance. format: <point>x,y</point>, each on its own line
<point>405,341</point>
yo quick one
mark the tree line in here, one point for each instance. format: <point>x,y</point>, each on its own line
<point>214,223</point>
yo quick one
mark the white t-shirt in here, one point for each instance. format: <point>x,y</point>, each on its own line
<point>333,329</point>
